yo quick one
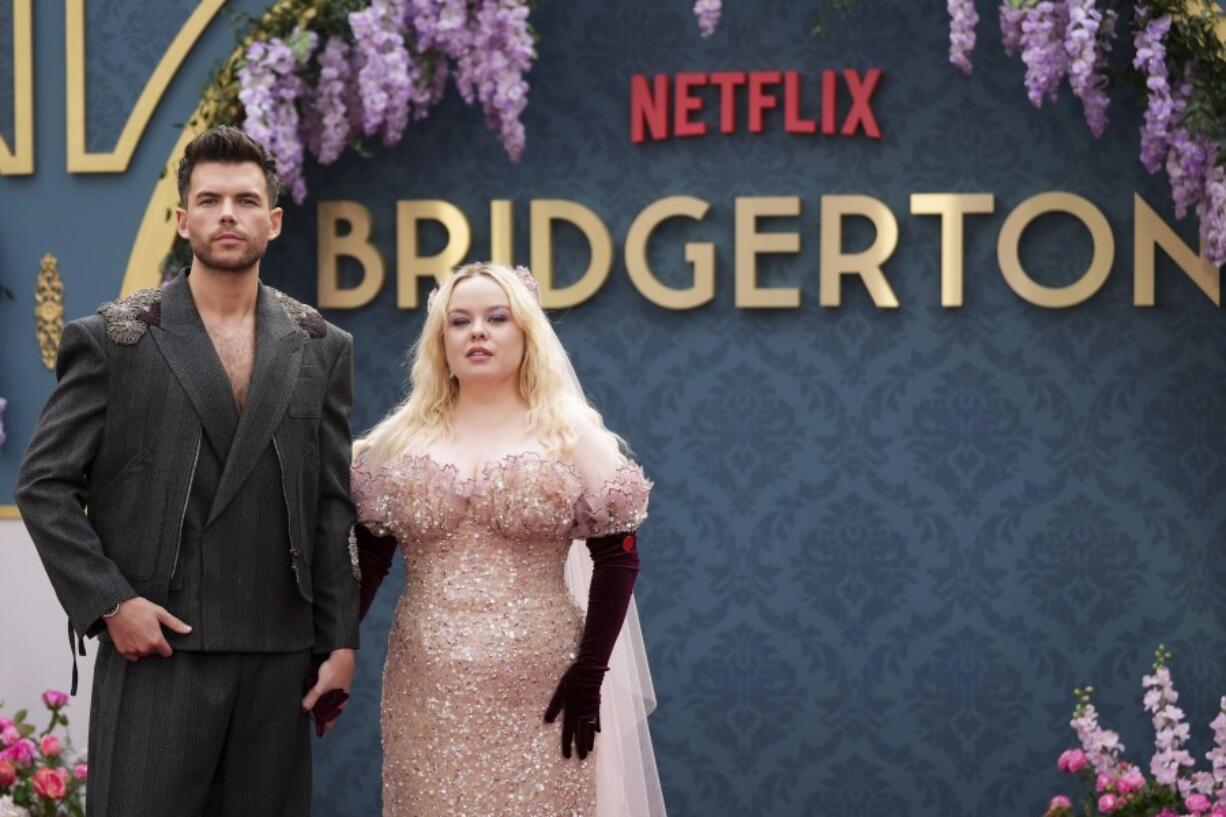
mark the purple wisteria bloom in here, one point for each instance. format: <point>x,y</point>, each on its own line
<point>441,24</point>
<point>962,21</point>
<point>327,109</point>
<point>3,403</point>
<point>269,87</point>
<point>1150,59</point>
<point>1211,210</point>
<point>1086,42</point>
<point>391,83</point>
<point>1043,28</point>
<point>1011,27</point>
<point>708,13</point>
<point>492,70</point>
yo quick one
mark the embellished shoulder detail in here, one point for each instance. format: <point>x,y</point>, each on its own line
<point>310,323</point>
<point>127,319</point>
<point>617,506</point>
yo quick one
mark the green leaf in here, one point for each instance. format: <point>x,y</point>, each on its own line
<point>26,729</point>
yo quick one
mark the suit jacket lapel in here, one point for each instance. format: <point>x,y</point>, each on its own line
<point>278,356</point>
<point>189,352</point>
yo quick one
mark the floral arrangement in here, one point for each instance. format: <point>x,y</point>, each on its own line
<point>37,777</point>
<point>1177,58</point>
<point>1121,789</point>
<point>348,70</point>
<point>320,77</point>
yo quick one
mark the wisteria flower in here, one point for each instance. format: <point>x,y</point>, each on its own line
<point>1043,50</point>
<point>962,21</point>
<point>269,89</point>
<point>328,106</point>
<point>708,13</point>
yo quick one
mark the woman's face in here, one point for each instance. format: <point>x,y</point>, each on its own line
<point>481,339</point>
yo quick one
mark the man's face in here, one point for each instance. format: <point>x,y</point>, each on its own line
<point>227,219</point>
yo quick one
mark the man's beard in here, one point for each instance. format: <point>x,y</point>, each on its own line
<point>202,250</point>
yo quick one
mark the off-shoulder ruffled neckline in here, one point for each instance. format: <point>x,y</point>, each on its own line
<point>464,485</point>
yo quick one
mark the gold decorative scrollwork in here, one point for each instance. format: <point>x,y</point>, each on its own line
<point>49,309</point>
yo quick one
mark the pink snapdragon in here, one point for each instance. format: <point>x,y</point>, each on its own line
<point>1170,731</point>
<point>1102,746</point>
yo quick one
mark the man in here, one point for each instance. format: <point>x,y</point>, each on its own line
<point>204,427</point>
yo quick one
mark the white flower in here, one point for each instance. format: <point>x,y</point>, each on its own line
<point>7,809</point>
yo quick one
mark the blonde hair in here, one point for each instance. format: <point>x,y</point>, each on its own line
<point>557,408</point>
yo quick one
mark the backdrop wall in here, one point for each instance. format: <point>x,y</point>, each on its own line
<point>884,545</point>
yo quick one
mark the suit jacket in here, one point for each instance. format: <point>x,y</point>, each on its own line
<point>105,484</point>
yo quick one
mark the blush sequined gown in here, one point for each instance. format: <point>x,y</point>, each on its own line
<point>484,630</point>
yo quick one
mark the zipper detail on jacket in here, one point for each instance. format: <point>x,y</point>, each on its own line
<point>289,514</point>
<point>186,499</point>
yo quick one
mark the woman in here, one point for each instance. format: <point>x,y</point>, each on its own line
<point>484,476</point>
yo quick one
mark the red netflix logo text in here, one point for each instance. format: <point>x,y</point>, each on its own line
<point>667,106</point>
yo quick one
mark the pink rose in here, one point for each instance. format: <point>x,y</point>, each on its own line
<point>1059,803</point>
<point>5,723</point>
<point>1072,761</point>
<point>10,736</point>
<point>8,773</point>
<point>21,752</point>
<point>1220,811</point>
<point>50,783</point>
<point>1104,782</point>
<point>1108,803</point>
<point>54,699</point>
<point>80,772</point>
<point>49,746</point>
<point>1197,803</point>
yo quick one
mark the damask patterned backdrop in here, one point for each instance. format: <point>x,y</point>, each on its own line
<point>884,545</point>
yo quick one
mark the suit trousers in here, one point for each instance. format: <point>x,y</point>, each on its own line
<point>199,735</point>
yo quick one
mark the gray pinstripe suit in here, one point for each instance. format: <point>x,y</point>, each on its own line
<point>236,523</point>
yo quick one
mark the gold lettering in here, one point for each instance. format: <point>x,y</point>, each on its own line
<point>750,243</point>
<point>80,160</point>
<point>1149,230</point>
<point>953,209</point>
<point>700,255</point>
<point>502,233</point>
<point>354,244</point>
<point>866,264</point>
<point>410,264</point>
<point>1011,264</point>
<point>20,160</point>
<point>543,213</point>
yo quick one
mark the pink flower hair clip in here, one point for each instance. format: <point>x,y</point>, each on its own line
<point>524,275</point>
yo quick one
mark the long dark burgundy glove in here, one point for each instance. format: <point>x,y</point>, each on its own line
<point>328,707</point>
<point>374,561</point>
<point>615,564</point>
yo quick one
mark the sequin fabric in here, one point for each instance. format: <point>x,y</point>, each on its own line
<point>484,630</point>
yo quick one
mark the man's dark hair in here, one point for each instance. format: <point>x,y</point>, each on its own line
<point>226,143</point>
